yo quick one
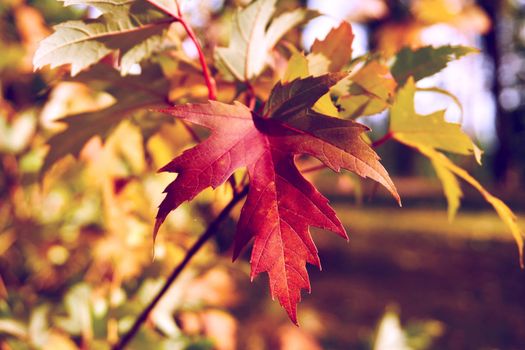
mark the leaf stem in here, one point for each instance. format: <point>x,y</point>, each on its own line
<point>210,231</point>
<point>313,168</point>
<point>383,139</point>
<point>210,81</point>
<point>178,17</point>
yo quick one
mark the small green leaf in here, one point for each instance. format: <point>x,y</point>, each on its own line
<point>298,68</point>
<point>298,95</point>
<point>426,61</point>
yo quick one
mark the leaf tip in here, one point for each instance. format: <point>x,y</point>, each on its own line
<point>478,153</point>
<point>292,314</point>
<point>158,223</point>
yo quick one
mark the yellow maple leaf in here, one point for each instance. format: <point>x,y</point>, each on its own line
<point>431,130</point>
<point>451,171</point>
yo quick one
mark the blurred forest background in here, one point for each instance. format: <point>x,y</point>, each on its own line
<point>76,251</point>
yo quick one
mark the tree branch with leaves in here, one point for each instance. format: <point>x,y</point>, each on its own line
<point>309,108</point>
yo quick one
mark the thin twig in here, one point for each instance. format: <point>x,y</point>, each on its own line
<point>177,16</point>
<point>313,168</point>
<point>179,12</point>
<point>210,81</point>
<point>212,227</point>
<point>210,231</point>
<point>383,139</point>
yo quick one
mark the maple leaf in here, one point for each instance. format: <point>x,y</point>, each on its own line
<point>281,204</point>
<point>429,133</point>
<point>134,28</point>
<point>425,61</point>
<point>130,95</point>
<point>253,37</point>
<point>370,92</point>
<point>448,172</point>
<point>333,52</point>
<point>430,130</point>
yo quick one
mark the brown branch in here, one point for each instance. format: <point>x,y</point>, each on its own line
<point>213,226</point>
<point>210,231</point>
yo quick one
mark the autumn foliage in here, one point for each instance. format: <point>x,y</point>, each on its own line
<point>298,117</point>
<point>268,111</point>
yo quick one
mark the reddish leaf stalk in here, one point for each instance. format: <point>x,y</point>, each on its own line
<point>210,81</point>
<point>208,78</point>
<point>313,168</point>
<point>383,139</point>
<point>210,231</point>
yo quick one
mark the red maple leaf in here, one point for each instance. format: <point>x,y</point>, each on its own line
<point>281,204</point>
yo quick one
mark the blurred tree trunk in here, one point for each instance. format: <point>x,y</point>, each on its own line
<point>502,160</point>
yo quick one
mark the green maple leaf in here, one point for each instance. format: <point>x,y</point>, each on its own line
<point>133,28</point>
<point>253,37</point>
<point>425,61</point>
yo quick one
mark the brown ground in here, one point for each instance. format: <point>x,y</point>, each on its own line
<point>464,275</point>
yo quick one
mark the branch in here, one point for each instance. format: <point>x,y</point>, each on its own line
<point>210,231</point>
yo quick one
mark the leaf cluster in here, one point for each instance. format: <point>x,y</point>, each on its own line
<point>306,106</point>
